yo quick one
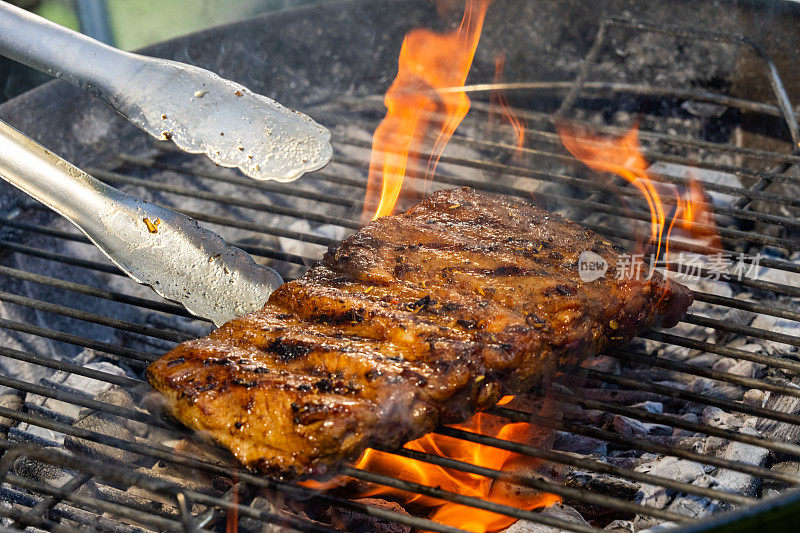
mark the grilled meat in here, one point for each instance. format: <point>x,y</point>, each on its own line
<point>418,319</point>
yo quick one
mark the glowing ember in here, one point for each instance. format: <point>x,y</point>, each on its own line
<point>623,156</point>
<point>428,61</point>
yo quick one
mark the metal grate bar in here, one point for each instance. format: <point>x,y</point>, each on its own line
<point>704,346</point>
<point>742,330</point>
<point>114,296</point>
<point>129,355</point>
<point>750,383</point>
<point>643,444</point>
<point>675,422</point>
<point>701,399</point>
<point>79,237</point>
<point>541,485</point>
<point>65,366</point>
<point>589,464</point>
<point>165,454</point>
<point>296,190</point>
<point>587,183</point>
<point>557,457</point>
<point>222,199</point>
<point>94,318</point>
<point>444,495</point>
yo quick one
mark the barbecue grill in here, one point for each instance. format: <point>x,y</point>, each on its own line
<point>721,102</point>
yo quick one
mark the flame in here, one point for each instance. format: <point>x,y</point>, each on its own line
<point>467,484</point>
<point>505,113</point>
<point>623,156</point>
<point>428,62</point>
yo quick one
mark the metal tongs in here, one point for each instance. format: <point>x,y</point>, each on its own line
<point>198,110</point>
<point>153,245</point>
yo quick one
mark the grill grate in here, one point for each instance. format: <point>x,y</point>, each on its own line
<point>332,200</point>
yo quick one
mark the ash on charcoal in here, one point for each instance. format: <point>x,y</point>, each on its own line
<point>254,525</point>
<point>602,483</point>
<point>739,482</point>
<point>570,442</point>
<point>695,506</point>
<point>13,400</point>
<point>105,424</point>
<point>755,397</point>
<point>777,325</point>
<point>689,417</point>
<point>716,417</point>
<point>43,472</point>
<point>650,407</point>
<point>631,427</point>
<point>81,384</point>
<point>771,487</point>
<point>773,429</point>
<point>621,526</point>
<point>671,468</point>
<point>348,520</point>
<point>561,512</point>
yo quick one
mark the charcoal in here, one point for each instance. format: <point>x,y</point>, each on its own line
<point>772,429</point>
<point>724,364</point>
<point>716,389</point>
<point>650,407</point>
<point>755,398</point>
<point>21,434</point>
<point>621,526</point>
<point>139,500</point>
<point>689,417</point>
<point>777,325</point>
<point>13,400</point>
<point>671,468</point>
<point>83,385</point>
<point>602,363</point>
<point>739,482</point>
<point>695,506</point>
<point>43,472</point>
<point>570,442</point>
<point>772,487</point>
<point>651,525</point>
<point>602,483</point>
<point>348,520</point>
<point>196,481</point>
<point>561,512</point>
<point>250,524</point>
<point>634,428</point>
<point>704,360</point>
<point>716,417</point>
<point>747,369</point>
<point>105,424</point>
<point>626,397</point>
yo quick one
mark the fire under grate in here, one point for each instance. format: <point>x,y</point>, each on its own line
<point>679,425</point>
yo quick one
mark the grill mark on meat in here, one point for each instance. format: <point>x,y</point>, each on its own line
<point>418,319</point>
<point>288,351</point>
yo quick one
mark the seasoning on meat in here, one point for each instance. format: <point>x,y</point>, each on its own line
<point>418,319</point>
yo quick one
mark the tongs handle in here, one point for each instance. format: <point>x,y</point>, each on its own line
<point>153,245</point>
<point>59,51</point>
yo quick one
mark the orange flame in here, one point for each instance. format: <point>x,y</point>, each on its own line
<point>498,100</point>
<point>623,156</point>
<point>467,484</point>
<point>428,61</point>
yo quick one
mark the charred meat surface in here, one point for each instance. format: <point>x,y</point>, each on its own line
<point>418,319</point>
